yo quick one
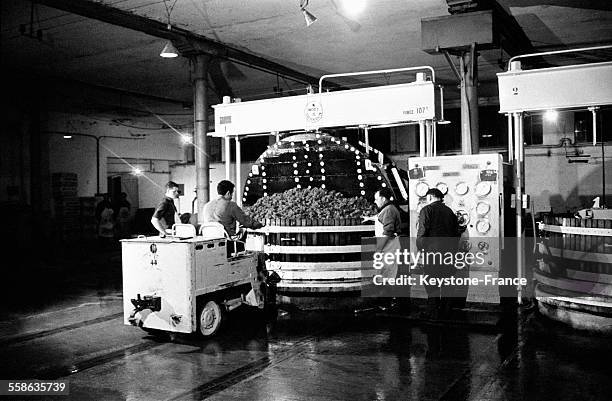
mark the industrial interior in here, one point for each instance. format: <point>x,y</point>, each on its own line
<point>327,116</point>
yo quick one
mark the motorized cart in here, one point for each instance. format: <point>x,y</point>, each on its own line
<point>186,283</point>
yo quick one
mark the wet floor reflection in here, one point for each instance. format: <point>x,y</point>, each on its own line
<point>323,356</point>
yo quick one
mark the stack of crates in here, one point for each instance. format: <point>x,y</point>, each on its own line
<point>66,208</point>
<point>88,217</point>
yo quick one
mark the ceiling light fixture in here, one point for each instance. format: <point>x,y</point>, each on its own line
<point>353,8</point>
<point>310,19</point>
<point>169,51</point>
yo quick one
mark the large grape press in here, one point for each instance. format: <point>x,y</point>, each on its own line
<point>312,190</point>
<point>314,241</point>
<point>313,160</point>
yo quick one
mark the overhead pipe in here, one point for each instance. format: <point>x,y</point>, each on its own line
<point>373,72</point>
<point>510,67</point>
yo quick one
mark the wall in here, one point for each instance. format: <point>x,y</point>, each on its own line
<point>551,180</point>
<point>554,182</point>
<point>151,189</point>
<point>14,157</point>
<point>185,174</point>
<point>78,154</point>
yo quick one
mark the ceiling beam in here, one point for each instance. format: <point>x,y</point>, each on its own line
<point>512,37</point>
<point>188,42</point>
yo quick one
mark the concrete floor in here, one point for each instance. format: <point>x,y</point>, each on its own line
<point>66,324</point>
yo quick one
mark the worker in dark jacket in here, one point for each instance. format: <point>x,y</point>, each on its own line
<point>438,233</point>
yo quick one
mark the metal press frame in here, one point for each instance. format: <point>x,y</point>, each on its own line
<point>516,153</point>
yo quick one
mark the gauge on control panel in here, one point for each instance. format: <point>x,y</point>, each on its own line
<point>483,208</point>
<point>483,188</point>
<point>461,188</point>
<point>482,226</point>
<point>442,187</point>
<point>483,246</point>
<point>421,189</point>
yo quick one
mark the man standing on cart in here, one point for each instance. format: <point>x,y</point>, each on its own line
<point>165,214</point>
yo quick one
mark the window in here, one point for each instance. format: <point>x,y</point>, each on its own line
<point>533,129</point>
<point>493,127</point>
<point>449,135</point>
<point>583,126</point>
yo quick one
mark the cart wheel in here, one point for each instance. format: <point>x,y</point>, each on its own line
<point>210,319</point>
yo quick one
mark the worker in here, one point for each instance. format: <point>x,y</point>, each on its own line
<point>387,225</point>
<point>121,210</point>
<point>165,214</point>
<point>106,222</point>
<point>225,211</point>
<point>438,232</point>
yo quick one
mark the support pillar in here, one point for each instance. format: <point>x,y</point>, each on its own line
<point>519,187</point>
<point>469,101</point>
<point>200,73</point>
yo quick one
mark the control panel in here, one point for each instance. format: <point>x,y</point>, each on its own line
<point>473,187</point>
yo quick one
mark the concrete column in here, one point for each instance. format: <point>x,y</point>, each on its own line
<point>469,102</point>
<point>200,73</point>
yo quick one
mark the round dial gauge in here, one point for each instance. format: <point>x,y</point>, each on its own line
<point>483,188</point>
<point>483,208</point>
<point>442,187</point>
<point>482,226</point>
<point>421,189</point>
<point>461,188</point>
<point>465,245</point>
